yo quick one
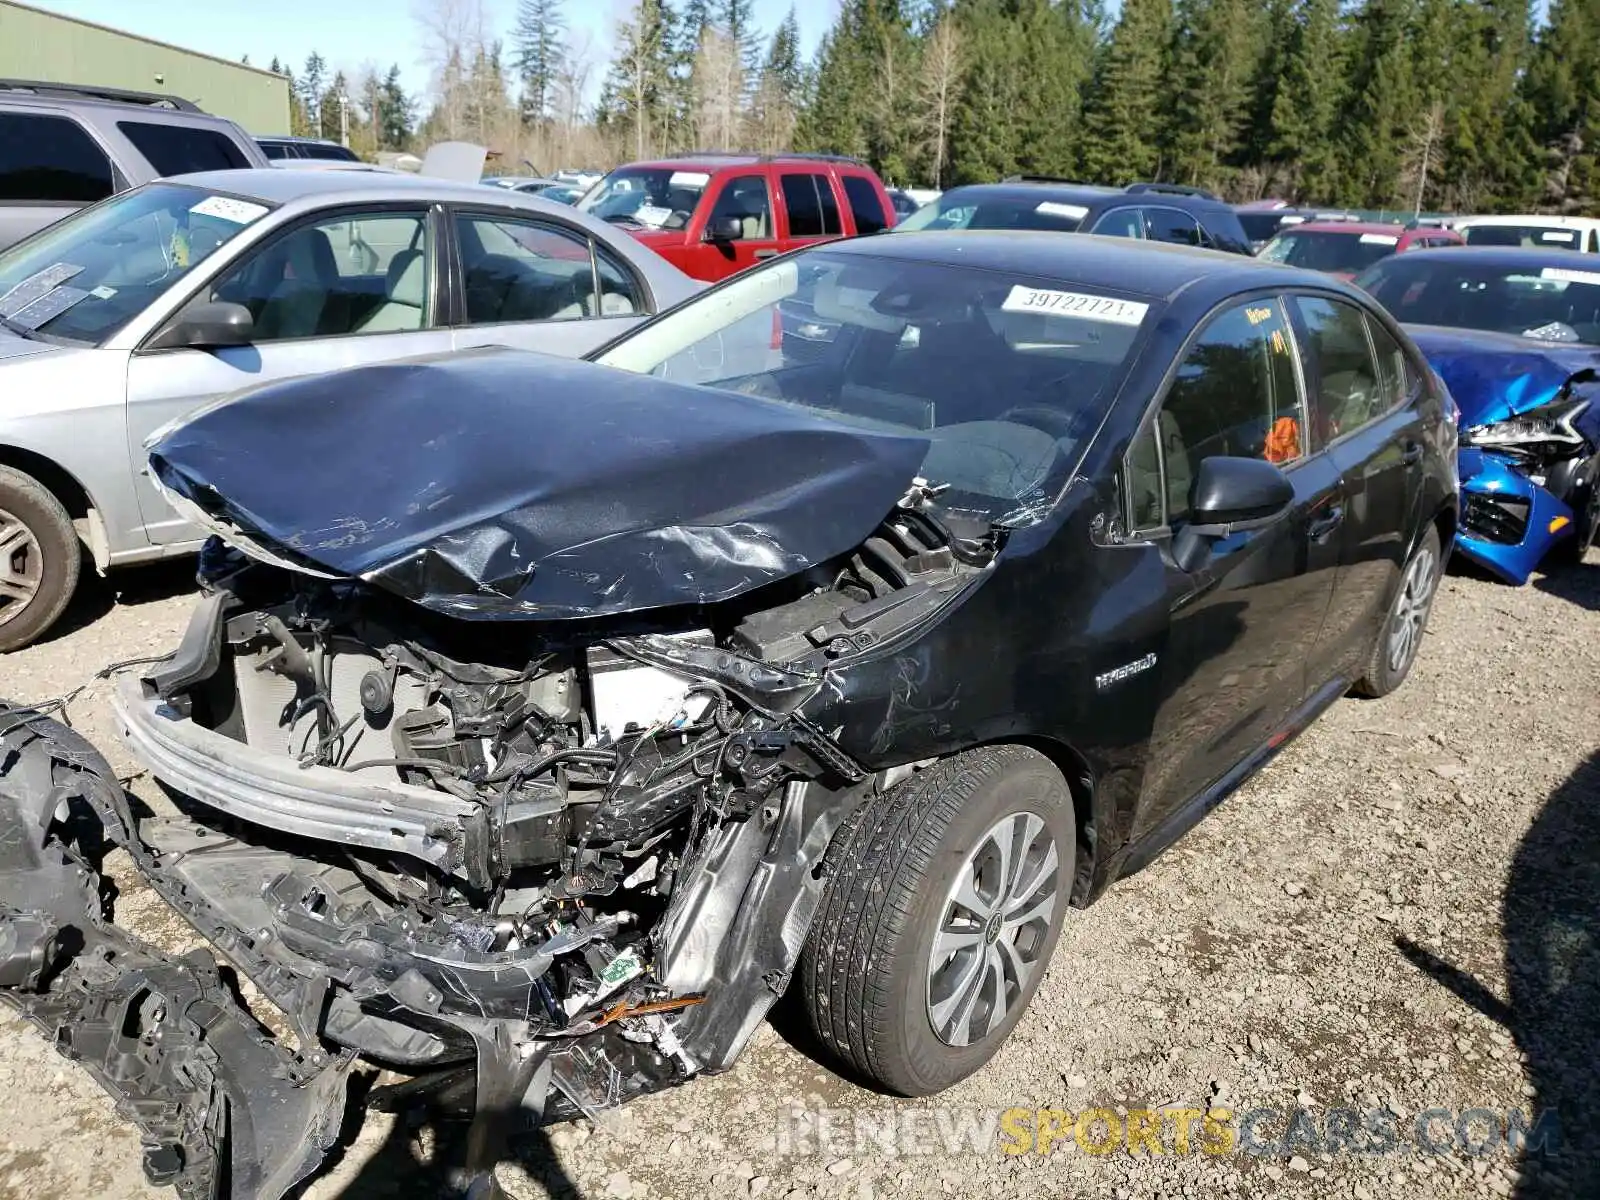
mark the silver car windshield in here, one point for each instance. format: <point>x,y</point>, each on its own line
<point>1006,375</point>
<point>84,278</point>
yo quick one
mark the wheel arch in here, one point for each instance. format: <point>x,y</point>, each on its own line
<point>1080,778</point>
<point>69,493</point>
<point>52,476</point>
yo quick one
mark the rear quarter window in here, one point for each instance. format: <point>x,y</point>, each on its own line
<point>181,149</point>
<point>865,206</point>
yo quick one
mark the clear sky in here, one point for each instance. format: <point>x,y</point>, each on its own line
<point>353,33</point>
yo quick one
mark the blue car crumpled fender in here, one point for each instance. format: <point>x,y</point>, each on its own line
<point>1530,432</point>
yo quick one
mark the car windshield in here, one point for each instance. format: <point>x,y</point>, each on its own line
<point>1340,252</point>
<point>1005,374</point>
<point>83,278</point>
<point>1552,303</point>
<point>652,197</point>
<point>972,209</point>
<point>1533,237</point>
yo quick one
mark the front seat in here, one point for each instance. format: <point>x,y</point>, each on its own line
<point>310,275</point>
<point>405,295</point>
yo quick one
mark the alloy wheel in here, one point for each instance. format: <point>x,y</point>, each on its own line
<point>993,929</point>
<point>1411,608</point>
<point>21,567</point>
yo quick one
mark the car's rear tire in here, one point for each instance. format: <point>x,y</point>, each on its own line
<point>980,850</point>
<point>39,559</point>
<point>1401,636</point>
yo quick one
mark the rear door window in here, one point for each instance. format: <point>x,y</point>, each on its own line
<point>1121,222</point>
<point>51,160</point>
<point>813,212</point>
<point>1171,225</point>
<point>1340,373</point>
<point>865,207</point>
<point>528,270</point>
<point>181,149</point>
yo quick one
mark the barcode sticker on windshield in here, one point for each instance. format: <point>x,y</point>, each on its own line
<point>1075,304</point>
<point>226,208</point>
<point>686,179</point>
<point>1558,235</point>
<point>1379,239</point>
<point>1055,208</point>
<point>1567,275</point>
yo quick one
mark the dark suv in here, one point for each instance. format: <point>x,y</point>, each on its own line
<point>63,146</point>
<point>1157,212</point>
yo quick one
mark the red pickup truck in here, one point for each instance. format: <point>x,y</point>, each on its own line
<point>711,215</point>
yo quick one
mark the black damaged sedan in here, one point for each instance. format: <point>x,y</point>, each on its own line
<point>842,629</point>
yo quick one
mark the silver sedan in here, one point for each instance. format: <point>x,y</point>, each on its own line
<point>125,316</point>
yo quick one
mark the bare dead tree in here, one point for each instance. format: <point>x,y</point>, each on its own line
<point>571,82</point>
<point>718,90</point>
<point>1422,150</point>
<point>937,90</point>
<point>452,35</point>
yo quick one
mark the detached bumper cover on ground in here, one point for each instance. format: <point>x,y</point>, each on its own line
<point>218,1103</point>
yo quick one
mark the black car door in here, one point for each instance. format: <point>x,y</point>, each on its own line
<point>1248,611</point>
<point>1365,399</point>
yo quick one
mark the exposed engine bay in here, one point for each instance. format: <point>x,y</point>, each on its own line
<point>554,864</point>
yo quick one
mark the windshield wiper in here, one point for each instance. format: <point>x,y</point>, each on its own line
<point>21,331</point>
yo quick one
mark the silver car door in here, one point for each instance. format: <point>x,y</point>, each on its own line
<point>336,291</point>
<point>539,284</point>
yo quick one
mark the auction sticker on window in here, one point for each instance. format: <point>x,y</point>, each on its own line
<point>1055,208</point>
<point>1075,304</point>
<point>1379,239</point>
<point>1568,275</point>
<point>226,208</point>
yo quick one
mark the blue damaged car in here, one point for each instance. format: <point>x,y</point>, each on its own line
<point>1515,336</point>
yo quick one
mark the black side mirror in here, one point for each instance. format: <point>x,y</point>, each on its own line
<point>1234,494</point>
<point>208,326</point>
<point>724,229</point>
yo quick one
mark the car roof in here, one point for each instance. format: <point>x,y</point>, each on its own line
<point>1506,256</point>
<point>1550,219</point>
<point>1157,270</point>
<point>1089,195</point>
<point>1388,230</point>
<point>280,185</point>
<point>719,162</point>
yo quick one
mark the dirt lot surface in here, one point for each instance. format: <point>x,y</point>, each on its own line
<point>1399,914</point>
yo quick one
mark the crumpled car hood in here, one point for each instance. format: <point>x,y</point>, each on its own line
<point>1494,375</point>
<point>500,483</point>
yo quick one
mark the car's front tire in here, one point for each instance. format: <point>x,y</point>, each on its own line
<point>943,903</point>
<point>1401,636</point>
<point>39,559</point>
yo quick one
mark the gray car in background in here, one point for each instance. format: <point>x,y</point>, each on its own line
<point>131,314</point>
<point>63,146</point>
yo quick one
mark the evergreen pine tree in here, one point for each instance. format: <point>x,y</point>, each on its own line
<point>539,41</point>
<point>1123,113</point>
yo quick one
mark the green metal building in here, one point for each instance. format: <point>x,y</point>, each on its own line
<point>47,46</point>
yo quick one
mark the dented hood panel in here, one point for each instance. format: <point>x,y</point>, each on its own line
<point>1492,376</point>
<point>503,484</point>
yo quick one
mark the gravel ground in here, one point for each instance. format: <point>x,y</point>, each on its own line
<point>1399,914</point>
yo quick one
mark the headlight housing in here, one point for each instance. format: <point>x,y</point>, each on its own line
<point>1548,425</point>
